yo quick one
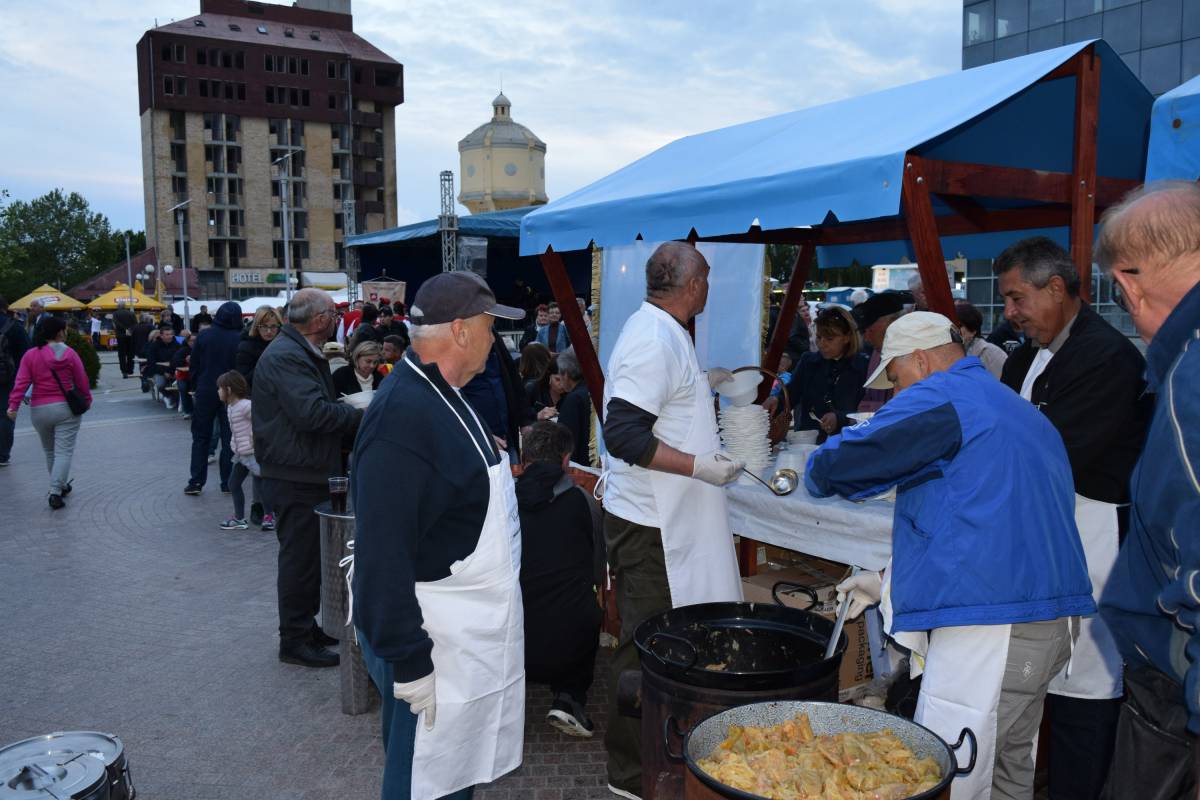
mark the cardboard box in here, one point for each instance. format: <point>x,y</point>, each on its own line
<point>821,577</point>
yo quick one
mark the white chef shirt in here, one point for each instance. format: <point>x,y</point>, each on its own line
<point>653,367</point>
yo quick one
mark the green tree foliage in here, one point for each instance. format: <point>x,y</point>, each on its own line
<point>82,345</point>
<point>55,239</point>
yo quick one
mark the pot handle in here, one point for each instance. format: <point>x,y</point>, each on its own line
<point>671,728</point>
<point>797,587</point>
<point>967,733</point>
<point>666,662</point>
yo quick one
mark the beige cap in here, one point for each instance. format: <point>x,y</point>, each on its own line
<point>332,347</point>
<point>920,330</point>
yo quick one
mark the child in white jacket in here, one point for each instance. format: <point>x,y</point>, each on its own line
<point>233,391</point>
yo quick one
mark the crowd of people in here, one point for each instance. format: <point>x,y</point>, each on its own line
<point>1044,554</point>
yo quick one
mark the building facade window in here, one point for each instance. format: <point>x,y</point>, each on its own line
<point>978,23</point>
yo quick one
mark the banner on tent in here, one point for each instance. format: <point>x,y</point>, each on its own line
<point>378,291</point>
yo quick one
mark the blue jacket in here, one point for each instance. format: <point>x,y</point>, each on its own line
<point>215,351</point>
<point>1152,598</point>
<point>984,532</point>
<point>561,340</point>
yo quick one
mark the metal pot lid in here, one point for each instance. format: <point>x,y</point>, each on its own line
<point>47,779</point>
<point>65,745</point>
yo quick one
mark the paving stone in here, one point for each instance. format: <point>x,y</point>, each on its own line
<point>129,611</point>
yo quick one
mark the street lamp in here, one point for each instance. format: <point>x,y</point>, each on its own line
<point>128,268</point>
<point>284,221</point>
<point>187,315</point>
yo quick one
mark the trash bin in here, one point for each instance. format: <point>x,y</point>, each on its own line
<point>337,530</point>
<point>357,691</point>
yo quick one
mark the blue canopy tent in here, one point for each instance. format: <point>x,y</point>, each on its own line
<point>413,253</point>
<point>1032,144</point>
<point>1175,134</point>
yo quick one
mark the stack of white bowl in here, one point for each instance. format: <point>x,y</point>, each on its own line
<point>744,433</point>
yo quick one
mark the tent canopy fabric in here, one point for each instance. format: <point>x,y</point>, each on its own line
<point>1175,134</point>
<point>119,297</point>
<point>52,300</point>
<point>843,161</point>
<point>503,224</point>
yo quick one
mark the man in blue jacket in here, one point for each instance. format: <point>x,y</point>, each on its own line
<point>1151,245</point>
<point>987,565</point>
<point>214,353</point>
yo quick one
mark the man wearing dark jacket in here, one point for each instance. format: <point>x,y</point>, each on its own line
<point>1086,377</point>
<point>1150,243</point>
<point>214,353</point>
<point>298,429</point>
<point>13,344</point>
<point>498,395</point>
<point>159,353</point>
<point>562,561</point>
<point>124,321</point>
<point>575,406</point>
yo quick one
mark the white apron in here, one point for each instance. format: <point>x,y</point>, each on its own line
<point>1095,671</point>
<point>697,544</point>
<point>963,670</point>
<point>476,622</point>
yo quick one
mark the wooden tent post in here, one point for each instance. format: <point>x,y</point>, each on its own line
<point>922,230</point>
<point>581,340</point>
<point>787,314</point>
<point>1083,170</point>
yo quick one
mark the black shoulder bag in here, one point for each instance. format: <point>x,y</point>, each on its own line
<point>75,399</point>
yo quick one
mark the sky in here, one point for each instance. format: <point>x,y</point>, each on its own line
<point>602,83</point>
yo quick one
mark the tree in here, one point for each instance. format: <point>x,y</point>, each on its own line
<point>781,258</point>
<point>55,239</point>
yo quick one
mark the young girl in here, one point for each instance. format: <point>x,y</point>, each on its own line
<point>232,389</point>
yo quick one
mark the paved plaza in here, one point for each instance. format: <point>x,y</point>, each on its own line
<point>130,612</point>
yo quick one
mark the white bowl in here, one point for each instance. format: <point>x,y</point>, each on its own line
<point>741,390</point>
<point>802,437</point>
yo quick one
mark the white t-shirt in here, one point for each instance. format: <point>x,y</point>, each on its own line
<point>95,325</point>
<point>654,367</point>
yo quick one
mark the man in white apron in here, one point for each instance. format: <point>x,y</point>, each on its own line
<point>667,527</point>
<point>436,596</point>
<point>1087,379</point>
<point>986,563</point>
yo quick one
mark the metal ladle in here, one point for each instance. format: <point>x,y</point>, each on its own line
<point>783,481</point>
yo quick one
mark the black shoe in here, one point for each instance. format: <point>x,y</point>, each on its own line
<point>193,489</point>
<point>306,654</point>
<point>256,513</point>
<point>4,461</point>
<point>56,501</point>
<point>569,716</point>
<point>321,639</point>
<point>224,489</point>
<point>66,490</point>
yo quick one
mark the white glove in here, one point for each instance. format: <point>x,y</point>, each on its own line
<point>716,468</point>
<point>420,696</point>
<point>864,589</point>
<point>717,376</point>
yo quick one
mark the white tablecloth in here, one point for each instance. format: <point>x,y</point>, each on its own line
<point>831,528</point>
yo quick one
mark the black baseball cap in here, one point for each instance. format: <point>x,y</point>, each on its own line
<point>456,295</point>
<point>876,306</point>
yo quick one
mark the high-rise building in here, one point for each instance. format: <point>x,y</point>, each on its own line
<point>503,164</point>
<point>245,99</point>
<point>1158,39</point>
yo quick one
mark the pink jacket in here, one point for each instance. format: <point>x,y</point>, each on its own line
<point>36,366</point>
<point>239,427</point>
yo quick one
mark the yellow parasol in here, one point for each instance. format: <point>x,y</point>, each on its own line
<point>52,300</point>
<point>119,297</point>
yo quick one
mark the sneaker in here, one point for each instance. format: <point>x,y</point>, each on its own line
<point>4,461</point>
<point>225,489</point>
<point>623,793</point>
<point>234,524</point>
<point>212,459</point>
<point>569,716</point>
<point>186,415</point>
<point>256,513</point>
<point>66,490</point>
<point>56,501</point>
<point>192,489</point>
<point>268,523</point>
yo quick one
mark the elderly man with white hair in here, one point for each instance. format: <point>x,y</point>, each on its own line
<point>667,526</point>
<point>436,592</point>
<point>1150,244</point>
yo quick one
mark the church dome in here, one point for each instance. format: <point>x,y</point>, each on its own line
<point>501,130</point>
<point>502,163</point>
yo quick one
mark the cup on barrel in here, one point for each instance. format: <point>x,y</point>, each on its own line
<point>339,487</point>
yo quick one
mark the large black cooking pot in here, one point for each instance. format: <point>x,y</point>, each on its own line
<point>738,646</point>
<point>826,719</point>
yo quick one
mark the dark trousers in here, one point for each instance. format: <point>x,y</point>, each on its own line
<point>571,674</point>
<point>1082,735</point>
<point>1154,758</point>
<point>125,354</point>
<point>299,533</point>
<point>7,426</point>
<point>240,471</point>
<point>204,413</point>
<point>635,553</point>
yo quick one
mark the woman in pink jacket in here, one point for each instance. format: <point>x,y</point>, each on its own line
<point>51,367</point>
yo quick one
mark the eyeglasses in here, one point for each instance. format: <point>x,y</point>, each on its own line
<point>268,327</point>
<point>1118,296</point>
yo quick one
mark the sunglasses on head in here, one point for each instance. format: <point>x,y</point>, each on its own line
<point>1118,296</point>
